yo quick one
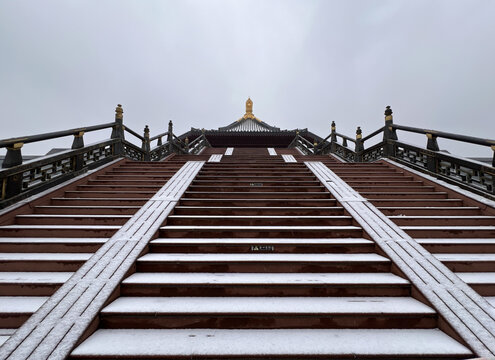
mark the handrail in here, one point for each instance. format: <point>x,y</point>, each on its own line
<point>53,135</point>
<point>132,132</point>
<point>376,132</point>
<point>346,137</point>
<point>159,136</point>
<point>445,135</point>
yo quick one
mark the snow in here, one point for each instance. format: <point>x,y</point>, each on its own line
<point>214,342</point>
<point>278,228</point>
<point>255,241</point>
<point>468,241</point>
<point>259,217</point>
<point>465,257</point>
<point>229,151</point>
<point>279,257</point>
<point>477,277</point>
<point>215,158</point>
<point>272,152</point>
<point>460,227</point>
<point>257,305</point>
<point>53,240</point>
<point>34,277</point>
<point>261,278</point>
<point>289,158</point>
<point>57,227</point>
<point>45,256</point>
<point>491,300</point>
<point>21,304</point>
<point>77,216</point>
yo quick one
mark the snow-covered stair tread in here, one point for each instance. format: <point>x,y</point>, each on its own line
<point>456,241</point>
<point>477,277</point>
<point>162,257</point>
<point>45,256</point>
<point>214,342</point>
<point>52,240</point>
<point>34,277</point>
<point>272,241</point>
<point>21,304</point>
<point>5,334</point>
<point>261,278</point>
<point>292,305</point>
<point>465,257</point>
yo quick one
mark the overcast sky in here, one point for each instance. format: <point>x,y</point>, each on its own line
<point>66,64</point>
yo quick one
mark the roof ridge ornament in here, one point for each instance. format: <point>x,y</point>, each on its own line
<point>249,111</point>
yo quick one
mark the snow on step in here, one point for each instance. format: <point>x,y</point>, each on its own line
<point>279,228</point>
<point>289,158</point>
<point>477,277</point>
<point>38,277</point>
<point>255,241</point>
<point>272,152</point>
<point>467,241</point>
<point>260,217</point>
<point>461,227</point>
<point>295,342</point>
<point>45,256</point>
<point>256,305</point>
<point>163,257</point>
<point>215,158</point>
<point>491,300</point>
<point>465,257</point>
<point>53,240</point>
<point>55,227</point>
<point>229,151</point>
<point>78,216</point>
<point>262,278</point>
<point>5,334</point>
<point>21,304</point>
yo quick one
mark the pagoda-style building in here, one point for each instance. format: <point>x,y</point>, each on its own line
<point>247,242</point>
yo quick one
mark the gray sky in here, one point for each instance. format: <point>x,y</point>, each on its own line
<point>66,64</point>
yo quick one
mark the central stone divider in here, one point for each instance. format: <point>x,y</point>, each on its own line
<point>57,326</point>
<point>466,311</point>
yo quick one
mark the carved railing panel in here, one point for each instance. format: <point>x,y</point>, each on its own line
<point>133,152</point>
<point>344,152</point>
<point>30,177</point>
<point>373,153</point>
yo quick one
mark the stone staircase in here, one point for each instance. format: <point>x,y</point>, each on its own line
<point>259,261</point>
<point>44,241</point>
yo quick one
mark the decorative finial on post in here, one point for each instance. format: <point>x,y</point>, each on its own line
<point>118,130</point>
<point>333,137</point>
<point>170,137</point>
<point>186,141</point>
<point>146,147</point>
<point>388,113</point>
<point>389,133</point>
<point>359,144</point>
<point>119,112</point>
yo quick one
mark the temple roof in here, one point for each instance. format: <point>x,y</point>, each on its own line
<point>249,122</point>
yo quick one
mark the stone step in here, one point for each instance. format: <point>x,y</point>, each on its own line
<point>42,261</point>
<point>15,310</point>
<point>27,283</point>
<point>259,210</point>
<point>49,245</point>
<point>443,220</point>
<point>258,220</point>
<point>449,231</point>
<point>258,245</point>
<point>267,313</point>
<point>266,262</point>
<point>263,284</point>
<point>468,262</point>
<point>273,343</point>
<point>87,210</point>
<point>176,231</point>
<point>73,219</point>
<point>248,202</point>
<point>429,210</point>
<point>90,231</point>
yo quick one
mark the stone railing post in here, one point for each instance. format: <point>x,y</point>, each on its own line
<point>145,146</point>
<point>359,145</point>
<point>12,184</point>
<point>333,138</point>
<point>389,134</point>
<point>78,143</point>
<point>432,144</point>
<point>170,137</point>
<point>118,131</point>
